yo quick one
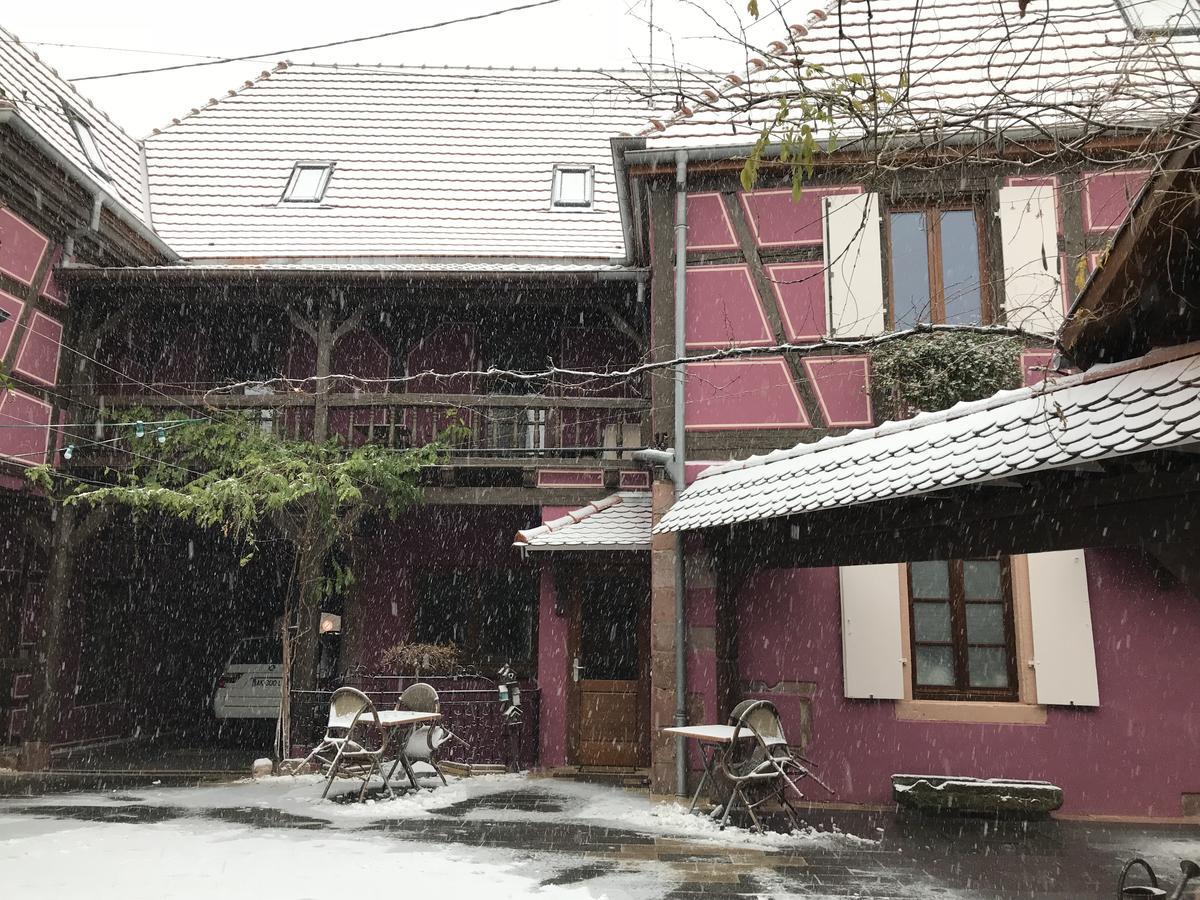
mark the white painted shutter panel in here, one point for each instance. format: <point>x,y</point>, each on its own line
<point>1063,650</point>
<point>872,655</point>
<point>1033,297</point>
<point>853,265</point>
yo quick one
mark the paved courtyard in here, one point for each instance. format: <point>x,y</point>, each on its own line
<point>503,836</point>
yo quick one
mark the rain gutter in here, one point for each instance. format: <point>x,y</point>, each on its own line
<point>679,469</point>
<point>101,194</point>
<point>621,146</point>
<point>909,140</point>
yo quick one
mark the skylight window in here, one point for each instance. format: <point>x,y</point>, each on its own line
<point>308,183</point>
<point>573,187</point>
<point>87,143</point>
<point>1162,16</point>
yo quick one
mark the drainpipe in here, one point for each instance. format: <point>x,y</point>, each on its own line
<point>679,469</point>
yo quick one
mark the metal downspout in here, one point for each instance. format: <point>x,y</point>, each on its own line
<point>679,469</point>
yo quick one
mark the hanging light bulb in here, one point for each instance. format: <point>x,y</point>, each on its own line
<point>139,429</point>
<point>68,451</point>
<point>162,435</point>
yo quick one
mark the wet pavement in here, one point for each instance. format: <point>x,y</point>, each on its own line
<point>898,856</point>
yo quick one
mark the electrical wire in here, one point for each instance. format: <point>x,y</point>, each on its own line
<point>326,45</point>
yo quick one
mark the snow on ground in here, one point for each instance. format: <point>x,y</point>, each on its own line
<point>194,859</point>
<point>582,803</point>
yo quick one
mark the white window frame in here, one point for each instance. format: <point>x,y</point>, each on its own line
<point>556,201</point>
<point>305,165</point>
<point>1188,21</point>
<point>85,137</point>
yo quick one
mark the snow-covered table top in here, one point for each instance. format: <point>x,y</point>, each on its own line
<point>393,718</point>
<point>389,718</point>
<point>709,734</point>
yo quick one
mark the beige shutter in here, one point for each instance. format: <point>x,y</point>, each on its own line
<point>853,265</point>
<point>872,654</point>
<point>1029,245</point>
<point>1064,654</point>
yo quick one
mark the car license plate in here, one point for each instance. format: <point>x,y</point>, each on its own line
<point>265,682</point>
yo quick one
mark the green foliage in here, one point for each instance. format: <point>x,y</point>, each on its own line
<point>231,475</point>
<point>819,103</point>
<point>928,372</point>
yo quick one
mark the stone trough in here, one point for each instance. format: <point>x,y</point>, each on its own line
<point>952,793</point>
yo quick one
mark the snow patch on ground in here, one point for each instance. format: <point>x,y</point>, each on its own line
<point>198,860</point>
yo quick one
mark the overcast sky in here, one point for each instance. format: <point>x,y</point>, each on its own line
<point>568,33</point>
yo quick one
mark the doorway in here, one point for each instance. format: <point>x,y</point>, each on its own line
<point>611,671</point>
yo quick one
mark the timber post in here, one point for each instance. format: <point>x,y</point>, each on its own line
<point>45,700</point>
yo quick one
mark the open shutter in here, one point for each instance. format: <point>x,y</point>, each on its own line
<point>1033,297</point>
<point>1063,651</point>
<point>872,654</point>
<point>853,265</point>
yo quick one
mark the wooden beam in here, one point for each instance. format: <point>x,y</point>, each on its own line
<point>510,496</point>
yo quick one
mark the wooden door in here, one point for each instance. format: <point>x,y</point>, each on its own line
<point>611,668</point>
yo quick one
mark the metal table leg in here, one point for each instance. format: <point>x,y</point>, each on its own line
<point>708,753</point>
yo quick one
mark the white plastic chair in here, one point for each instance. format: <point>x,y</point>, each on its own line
<point>351,748</point>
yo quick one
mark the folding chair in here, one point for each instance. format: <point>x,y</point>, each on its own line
<point>424,743</point>
<point>348,749</point>
<point>763,766</point>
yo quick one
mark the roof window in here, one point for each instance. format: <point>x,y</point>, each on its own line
<point>573,187</point>
<point>87,142</point>
<point>1161,16</point>
<point>308,182</point>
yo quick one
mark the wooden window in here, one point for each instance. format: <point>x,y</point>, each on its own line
<point>488,614</point>
<point>963,644</point>
<point>936,267</point>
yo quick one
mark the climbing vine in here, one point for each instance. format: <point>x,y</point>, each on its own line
<point>928,372</point>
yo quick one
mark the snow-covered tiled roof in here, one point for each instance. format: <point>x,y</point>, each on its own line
<point>619,522</point>
<point>962,68</point>
<point>40,97</point>
<point>429,162</point>
<point>1149,403</point>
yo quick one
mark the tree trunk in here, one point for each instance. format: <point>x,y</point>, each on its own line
<point>45,701</point>
<point>310,571</point>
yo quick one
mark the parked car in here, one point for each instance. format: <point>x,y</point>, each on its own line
<point>248,687</point>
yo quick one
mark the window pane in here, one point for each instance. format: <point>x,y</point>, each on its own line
<point>985,623</point>
<point>932,622</point>
<point>1162,14</point>
<point>307,185</point>
<point>930,579</point>
<point>960,267</point>
<point>506,614</point>
<point>987,667</point>
<point>443,601</point>
<point>910,270</point>
<point>573,186</point>
<point>981,579</point>
<point>935,666</point>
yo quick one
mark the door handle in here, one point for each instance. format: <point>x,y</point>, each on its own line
<point>576,668</point>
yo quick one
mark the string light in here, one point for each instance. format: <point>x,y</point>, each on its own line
<point>139,429</point>
<point>162,435</point>
<point>68,451</point>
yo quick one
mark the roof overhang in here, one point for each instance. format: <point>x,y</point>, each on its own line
<point>1085,423</point>
<point>11,117</point>
<point>362,270</point>
<point>620,522</point>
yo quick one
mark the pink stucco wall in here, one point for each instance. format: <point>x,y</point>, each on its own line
<point>1134,755</point>
<point>21,247</point>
